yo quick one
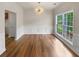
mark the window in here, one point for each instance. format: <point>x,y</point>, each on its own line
<point>59,24</point>
<point>64,25</point>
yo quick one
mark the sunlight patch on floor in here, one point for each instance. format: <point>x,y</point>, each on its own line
<point>60,48</point>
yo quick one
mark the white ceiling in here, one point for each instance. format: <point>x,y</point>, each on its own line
<point>47,5</point>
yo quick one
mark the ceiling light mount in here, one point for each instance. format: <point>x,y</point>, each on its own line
<point>38,2</point>
<point>54,3</point>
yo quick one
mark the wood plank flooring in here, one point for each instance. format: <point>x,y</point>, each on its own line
<point>36,46</point>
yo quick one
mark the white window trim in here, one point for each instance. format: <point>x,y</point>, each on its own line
<point>64,25</point>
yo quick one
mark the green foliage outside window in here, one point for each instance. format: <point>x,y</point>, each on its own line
<point>59,24</point>
<point>68,20</point>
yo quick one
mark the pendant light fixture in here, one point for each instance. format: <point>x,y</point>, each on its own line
<point>39,9</point>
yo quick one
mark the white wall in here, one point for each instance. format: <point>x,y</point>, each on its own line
<point>67,6</point>
<point>19,17</point>
<point>19,12</point>
<point>34,24</point>
<point>2,33</point>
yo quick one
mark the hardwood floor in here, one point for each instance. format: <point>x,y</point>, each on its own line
<point>36,46</point>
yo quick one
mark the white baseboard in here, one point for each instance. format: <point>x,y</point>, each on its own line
<point>2,51</point>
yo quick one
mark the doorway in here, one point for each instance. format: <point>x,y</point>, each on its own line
<point>10,27</point>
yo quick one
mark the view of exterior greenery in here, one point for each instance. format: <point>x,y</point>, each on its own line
<point>65,25</point>
<point>70,21</point>
<point>59,24</point>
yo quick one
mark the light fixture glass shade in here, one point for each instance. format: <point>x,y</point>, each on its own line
<point>39,10</point>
